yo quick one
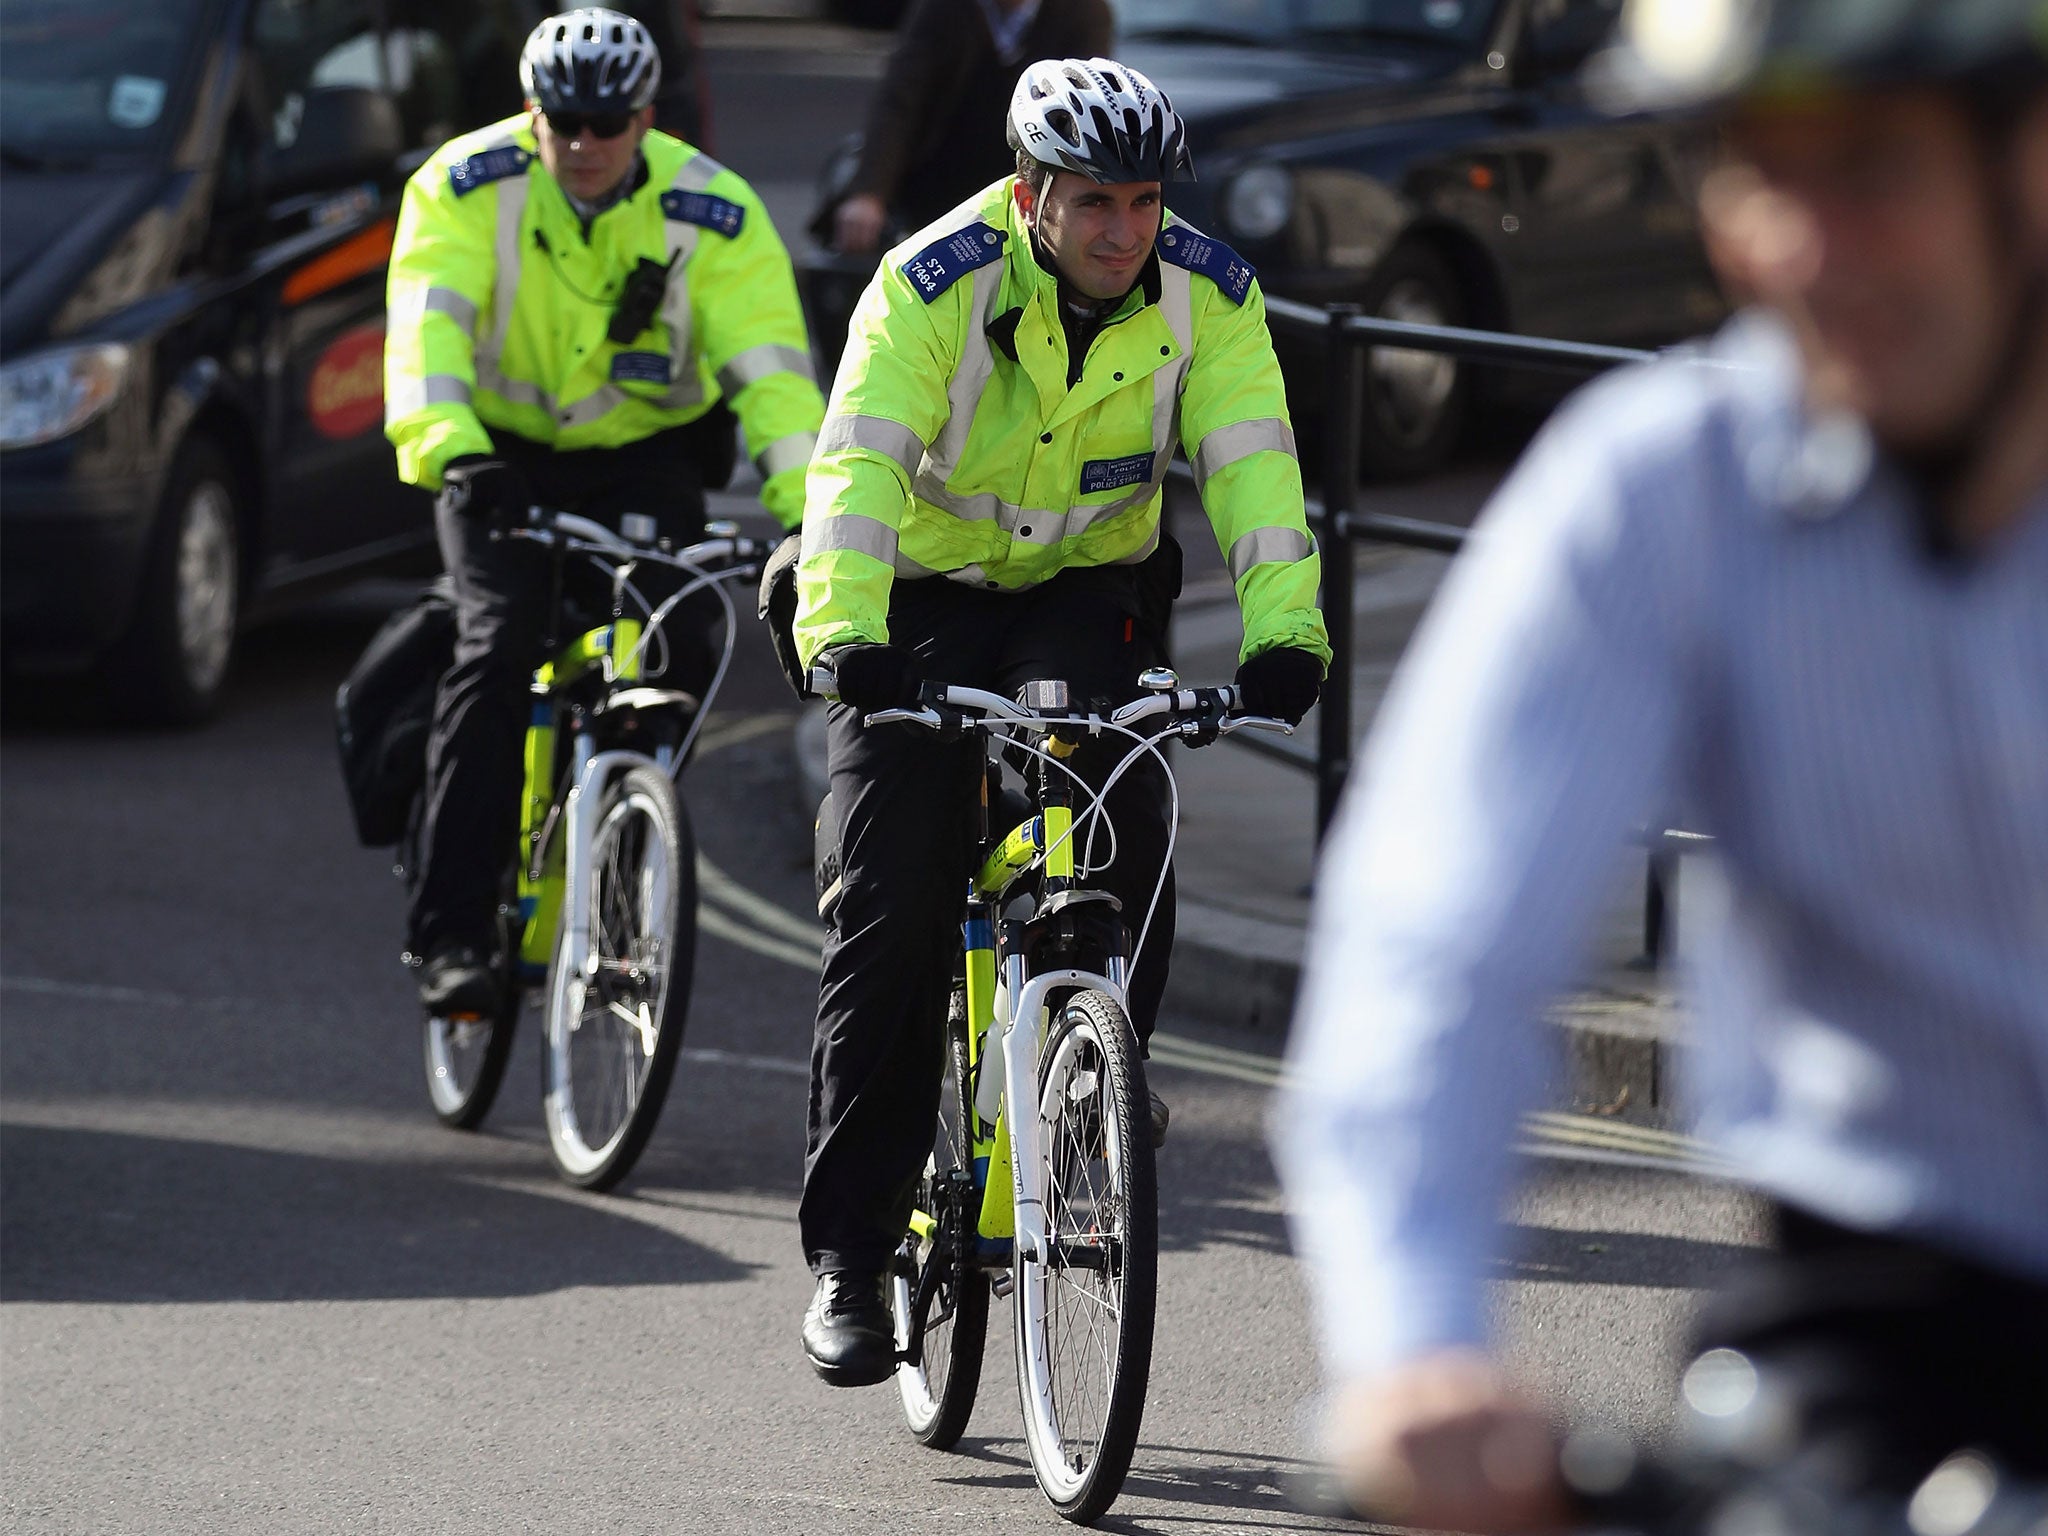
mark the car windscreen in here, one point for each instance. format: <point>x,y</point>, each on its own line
<point>1305,23</point>
<point>87,78</point>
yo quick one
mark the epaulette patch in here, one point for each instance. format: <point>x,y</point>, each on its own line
<point>492,165</point>
<point>944,262</point>
<point>1186,246</point>
<point>713,213</point>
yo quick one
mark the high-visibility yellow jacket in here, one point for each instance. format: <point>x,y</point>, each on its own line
<point>953,446</point>
<point>499,306</point>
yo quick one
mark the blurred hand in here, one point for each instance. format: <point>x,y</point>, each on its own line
<point>485,490</point>
<point>1442,1442</point>
<point>857,225</point>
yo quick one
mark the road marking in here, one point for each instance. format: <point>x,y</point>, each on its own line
<point>718,886</point>
<point>782,1066</point>
<point>723,926</point>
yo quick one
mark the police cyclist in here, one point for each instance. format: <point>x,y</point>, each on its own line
<point>575,297</point>
<point>984,509</point>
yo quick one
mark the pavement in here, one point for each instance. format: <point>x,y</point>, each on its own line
<point>1246,849</point>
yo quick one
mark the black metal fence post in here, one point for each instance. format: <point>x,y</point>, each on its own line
<point>1343,403</point>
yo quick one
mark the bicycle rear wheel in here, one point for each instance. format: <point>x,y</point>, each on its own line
<point>465,1057</point>
<point>612,1036</point>
<point>938,1266</point>
<point>1085,1308</point>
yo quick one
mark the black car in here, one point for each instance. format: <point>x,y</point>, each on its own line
<point>199,201</point>
<point>1436,161</point>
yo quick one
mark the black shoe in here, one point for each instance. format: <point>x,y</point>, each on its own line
<point>1160,1116</point>
<point>848,1333</point>
<point>458,979</point>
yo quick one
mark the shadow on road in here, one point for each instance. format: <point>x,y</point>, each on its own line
<point>1618,1258</point>
<point>99,1216</point>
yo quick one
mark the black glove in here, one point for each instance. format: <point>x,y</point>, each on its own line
<point>1282,683</point>
<point>873,677</point>
<point>485,490</point>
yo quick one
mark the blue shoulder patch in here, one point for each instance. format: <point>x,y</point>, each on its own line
<point>1185,246</point>
<point>944,262</point>
<point>492,165</point>
<point>714,213</point>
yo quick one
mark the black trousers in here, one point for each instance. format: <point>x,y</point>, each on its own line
<point>1889,1353</point>
<point>906,808</point>
<point>502,594</point>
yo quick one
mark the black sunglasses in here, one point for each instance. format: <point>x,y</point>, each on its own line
<point>604,125</point>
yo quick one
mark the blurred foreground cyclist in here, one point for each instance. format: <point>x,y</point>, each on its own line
<point>573,297</point>
<point>1806,597</point>
<point>984,509</point>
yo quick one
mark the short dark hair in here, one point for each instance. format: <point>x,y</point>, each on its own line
<point>1033,172</point>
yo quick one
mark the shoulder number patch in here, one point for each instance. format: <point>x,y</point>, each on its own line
<point>1186,246</point>
<point>944,262</point>
<point>466,176</point>
<point>701,208</point>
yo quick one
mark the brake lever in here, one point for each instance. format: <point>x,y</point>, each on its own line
<point>1256,723</point>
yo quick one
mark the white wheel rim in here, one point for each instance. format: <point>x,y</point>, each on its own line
<point>569,1011</point>
<point>205,577</point>
<point>1052,1317</point>
<point>1413,385</point>
<point>455,1053</point>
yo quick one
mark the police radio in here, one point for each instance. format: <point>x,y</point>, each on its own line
<point>639,299</point>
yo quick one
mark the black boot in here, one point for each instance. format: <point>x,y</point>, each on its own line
<point>848,1333</point>
<point>458,979</point>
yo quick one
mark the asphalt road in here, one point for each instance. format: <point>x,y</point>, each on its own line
<point>248,1284</point>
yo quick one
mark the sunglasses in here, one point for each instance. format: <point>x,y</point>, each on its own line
<point>603,125</point>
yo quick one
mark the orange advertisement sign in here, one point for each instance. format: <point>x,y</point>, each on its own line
<point>345,396</point>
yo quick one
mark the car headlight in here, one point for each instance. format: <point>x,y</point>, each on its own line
<point>53,394</point>
<point>1258,202</point>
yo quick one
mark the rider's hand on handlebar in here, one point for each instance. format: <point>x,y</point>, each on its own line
<point>1444,1443</point>
<point>873,677</point>
<point>485,490</point>
<point>1282,683</point>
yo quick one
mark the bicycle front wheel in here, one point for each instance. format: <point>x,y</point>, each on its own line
<point>615,1014</point>
<point>936,1290</point>
<point>1085,1307</point>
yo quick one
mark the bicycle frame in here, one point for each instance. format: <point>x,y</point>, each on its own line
<point>554,872</point>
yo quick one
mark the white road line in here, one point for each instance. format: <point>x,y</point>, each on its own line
<point>782,1066</point>
<point>720,925</point>
<point>718,886</point>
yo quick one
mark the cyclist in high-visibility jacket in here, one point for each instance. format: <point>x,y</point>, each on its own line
<point>574,299</point>
<point>984,508</point>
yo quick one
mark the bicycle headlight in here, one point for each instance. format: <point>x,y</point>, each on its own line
<point>1258,201</point>
<point>52,394</point>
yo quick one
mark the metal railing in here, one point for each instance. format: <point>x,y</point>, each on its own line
<point>1340,523</point>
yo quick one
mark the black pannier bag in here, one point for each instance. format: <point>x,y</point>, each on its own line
<point>384,710</point>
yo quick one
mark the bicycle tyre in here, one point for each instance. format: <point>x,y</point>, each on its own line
<point>1081,1433</point>
<point>604,1087</point>
<point>938,1393</point>
<point>466,1060</point>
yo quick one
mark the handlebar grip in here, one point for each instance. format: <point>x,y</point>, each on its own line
<point>824,682</point>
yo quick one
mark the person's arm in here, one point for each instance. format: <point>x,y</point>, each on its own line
<point>442,268</point>
<point>1236,433</point>
<point>750,325</point>
<point>888,404</point>
<point>916,76</point>
<point>1537,718</point>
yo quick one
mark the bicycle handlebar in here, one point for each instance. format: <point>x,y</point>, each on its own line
<point>545,526</point>
<point>946,706</point>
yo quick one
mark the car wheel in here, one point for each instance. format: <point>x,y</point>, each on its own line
<point>1414,401</point>
<point>171,665</point>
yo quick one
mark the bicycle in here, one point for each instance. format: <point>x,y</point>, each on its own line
<point>1055,1201</point>
<point>600,906</point>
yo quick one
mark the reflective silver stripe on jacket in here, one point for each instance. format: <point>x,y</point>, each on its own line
<point>864,535</point>
<point>1264,546</point>
<point>963,390</point>
<point>878,434</point>
<point>416,303</point>
<point>417,394</point>
<point>791,452</point>
<point>1240,440</point>
<point>764,361</point>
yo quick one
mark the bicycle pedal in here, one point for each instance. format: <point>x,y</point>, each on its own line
<point>1004,1283</point>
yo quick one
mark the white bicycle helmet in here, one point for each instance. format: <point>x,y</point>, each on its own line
<point>1101,119</point>
<point>590,60</point>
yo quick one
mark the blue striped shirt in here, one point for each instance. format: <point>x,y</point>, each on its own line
<point>1690,599</point>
